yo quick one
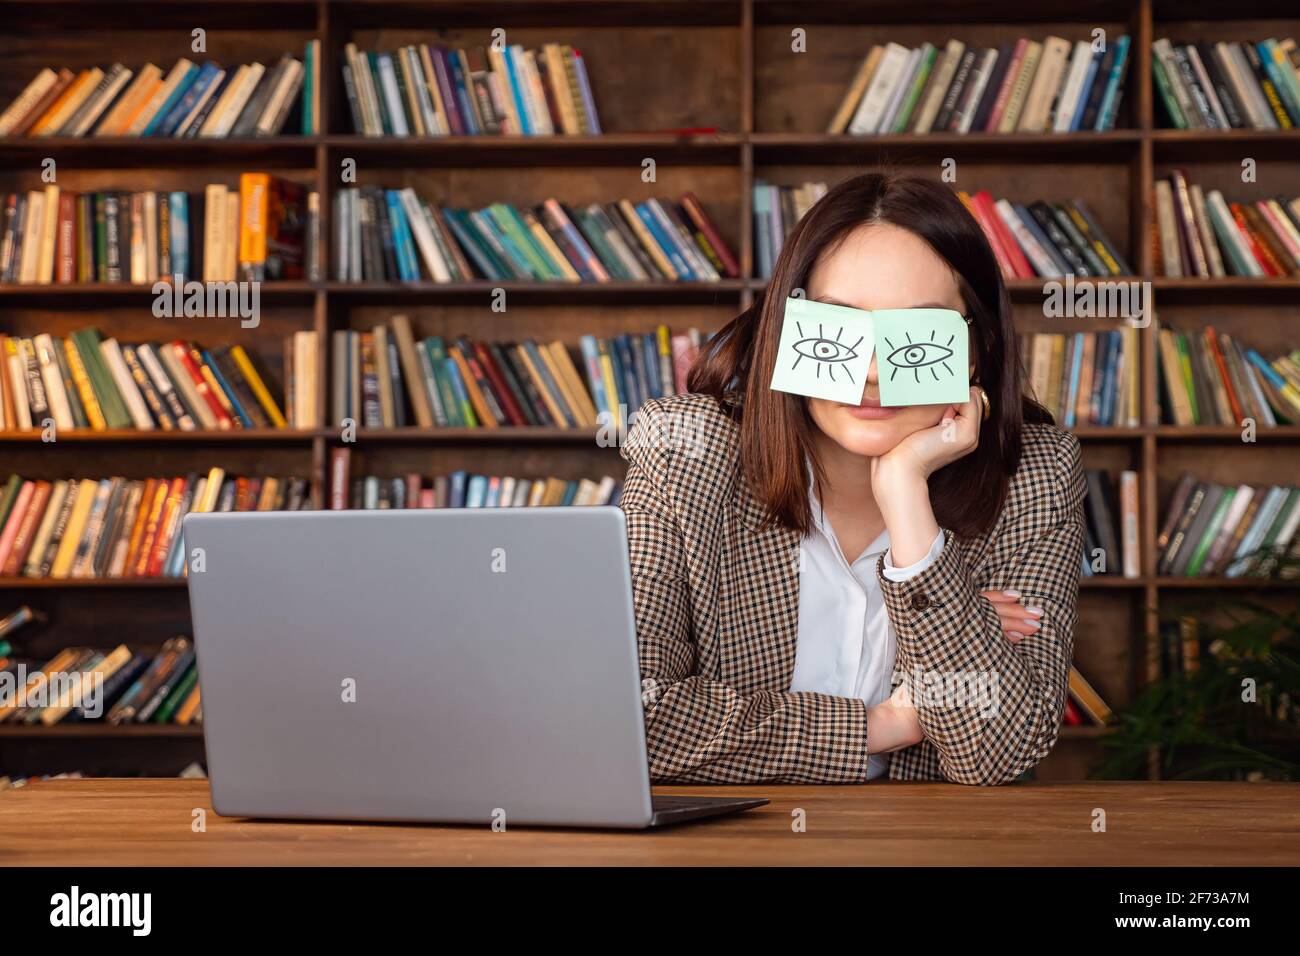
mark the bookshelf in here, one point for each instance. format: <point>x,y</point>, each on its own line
<point>662,65</point>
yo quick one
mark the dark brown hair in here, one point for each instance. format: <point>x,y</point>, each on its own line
<point>776,431</point>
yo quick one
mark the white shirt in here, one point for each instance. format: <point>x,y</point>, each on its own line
<point>846,645</point>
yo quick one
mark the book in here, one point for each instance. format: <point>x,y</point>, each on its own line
<point>190,98</point>
<point>386,235</point>
<point>1200,233</point>
<point>424,90</point>
<point>86,382</point>
<point>1240,530</point>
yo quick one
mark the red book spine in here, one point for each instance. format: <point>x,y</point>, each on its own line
<point>224,421</point>
<point>166,528</point>
<point>65,242</point>
<point>984,200</point>
<point>995,241</point>
<point>508,404</point>
<point>702,222</point>
<point>1264,261</point>
<point>1212,342</point>
<point>340,469</point>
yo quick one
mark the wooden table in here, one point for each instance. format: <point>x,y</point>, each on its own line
<point>139,822</point>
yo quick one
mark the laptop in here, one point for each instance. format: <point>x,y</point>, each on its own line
<point>451,666</point>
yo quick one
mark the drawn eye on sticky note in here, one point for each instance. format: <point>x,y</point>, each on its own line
<point>824,352</point>
<point>922,356</point>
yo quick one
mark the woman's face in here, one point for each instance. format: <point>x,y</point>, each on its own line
<point>880,266</point>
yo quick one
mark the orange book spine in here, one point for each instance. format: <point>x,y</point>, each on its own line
<point>139,565</point>
<point>166,528</point>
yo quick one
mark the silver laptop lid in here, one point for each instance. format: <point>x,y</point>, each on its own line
<point>454,665</point>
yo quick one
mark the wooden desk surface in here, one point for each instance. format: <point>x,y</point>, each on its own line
<point>147,822</point>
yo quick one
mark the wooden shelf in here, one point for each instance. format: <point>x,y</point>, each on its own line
<point>89,584</point>
<point>159,437</point>
<point>132,152</point>
<point>94,730</point>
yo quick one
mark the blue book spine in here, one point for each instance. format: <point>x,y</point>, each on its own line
<point>1108,383</point>
<point>570,492</point>
<point>584,90</point>
<point>627,366</point>
<point>512,54</point>
<point>1036,231</point>
<point>206,76</point>
<point>170,103</point>
<point>178,239</point>
<point>668,247</point>
<point>1075,369</point>
<point>225,387</point>
<point>1110,99</point>
<point>1088,79</point>
<point>487,221</point>
<point>591,355</point>
<point>650,358</point>
<point>472,249</point>
<point>763,239</point>
<point>458,387</point>
<point>403,244</point>
<point>456,489</point>
<point>579,242</point>
<point>461,83</point>
<point>536,356</point>
<point>1285,84</point>
<point>476,495</point>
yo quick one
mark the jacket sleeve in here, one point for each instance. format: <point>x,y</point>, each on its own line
<point>699,729</point>
<point>990,709</point>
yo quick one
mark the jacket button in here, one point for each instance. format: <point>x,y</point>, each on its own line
<point>919,601</point>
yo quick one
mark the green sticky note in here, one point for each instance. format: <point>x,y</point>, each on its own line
<point>824,352</point>
<point>922,356</point>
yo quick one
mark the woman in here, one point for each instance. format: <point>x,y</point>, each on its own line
<point>807,573</point>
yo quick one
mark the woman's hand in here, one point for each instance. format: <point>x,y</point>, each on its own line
<point>1018,621</point>
<point>892,724</point>
<point>922,453</point>
<point>898,478</point>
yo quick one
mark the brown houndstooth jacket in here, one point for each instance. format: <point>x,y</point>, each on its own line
<point>717,611</point>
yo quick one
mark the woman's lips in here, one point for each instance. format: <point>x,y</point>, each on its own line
<point>870,410</point>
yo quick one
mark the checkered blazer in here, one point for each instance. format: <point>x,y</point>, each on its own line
<point>717,601</point>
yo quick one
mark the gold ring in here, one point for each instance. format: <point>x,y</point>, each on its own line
<point>984,401</point>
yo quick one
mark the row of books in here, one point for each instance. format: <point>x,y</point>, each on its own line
<point>85,381</point>
<point>393,235</point>
<point>191,100</point>
<point>1051,239</point>
<point>419,90</point>
<point>385,378</point>
<point>1024,86</point>
<point>1230,531</point>
<point>1229,84</point>
<point>1039,238</point>
<point>462,489</point>
<point>1211,378</point>
<point>268,228</point>
<point>1199,233</point>
<point>1111,527</point>
<point>119,527</point>
<point>120,686</point>
<point>1086,378</point>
